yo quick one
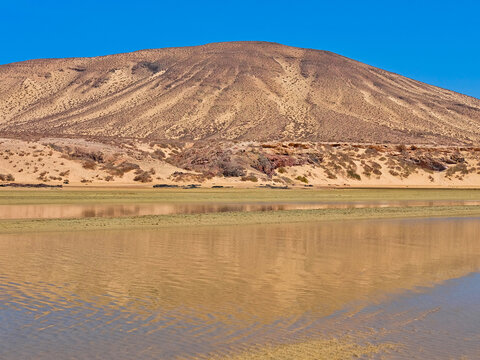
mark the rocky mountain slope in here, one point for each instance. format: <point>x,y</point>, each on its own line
<point>248,91</point>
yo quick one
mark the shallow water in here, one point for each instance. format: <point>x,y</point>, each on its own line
<point>41,211</point>
<point>184,293</point>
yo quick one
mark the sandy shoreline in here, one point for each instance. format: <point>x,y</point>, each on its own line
<point>386,197</point>
<point>312,350</point>
<point>148,195</point>
<point>233,218</point>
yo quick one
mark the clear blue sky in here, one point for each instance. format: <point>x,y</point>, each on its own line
<point>437,42</point>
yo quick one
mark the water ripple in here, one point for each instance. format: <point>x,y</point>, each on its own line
<point>187,293</point>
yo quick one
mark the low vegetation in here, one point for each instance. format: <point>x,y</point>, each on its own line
<point>286,163</point>
<point>250,177</point>
<point>144,176</point>
<point>302,179</point>
<point>7,177</point>
<point>119,169</point>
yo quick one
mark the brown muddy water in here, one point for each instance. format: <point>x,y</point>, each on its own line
<point>58,211</point>
<point>196,292</point>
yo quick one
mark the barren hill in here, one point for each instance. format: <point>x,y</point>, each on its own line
<point>236,91</point>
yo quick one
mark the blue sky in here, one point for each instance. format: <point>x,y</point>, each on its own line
<point>437,42</point>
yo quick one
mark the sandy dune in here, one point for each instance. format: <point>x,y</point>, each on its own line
<point>63,161</point>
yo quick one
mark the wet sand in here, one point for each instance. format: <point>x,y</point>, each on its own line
<point>60,210</point>
<point>232,218</point>
<point>312,350</point>
<point>141,196</point>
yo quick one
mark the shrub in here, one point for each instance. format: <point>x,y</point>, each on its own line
<point>250,177</point>
<point>302,179</point>
<point>427,163</point>
<point>7,177</point>
<point>264,165</point>
<point>120,169</point>
<point>353,175</point>
<point>158,154</point>
<point>461,168</point>
<point>78,154</point>
<point>367,170</point>
<point>143,176</point>
<point>233,171</point>
<point>89,165</point>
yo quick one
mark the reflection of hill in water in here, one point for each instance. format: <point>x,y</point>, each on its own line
<point>263,271</point>
<point>55,211</point>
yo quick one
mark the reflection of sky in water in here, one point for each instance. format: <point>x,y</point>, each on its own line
<point>195,290</point>
<point>430,323</point>
<point>441,322</point>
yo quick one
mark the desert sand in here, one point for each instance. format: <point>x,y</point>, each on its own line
<point>79,162</point>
